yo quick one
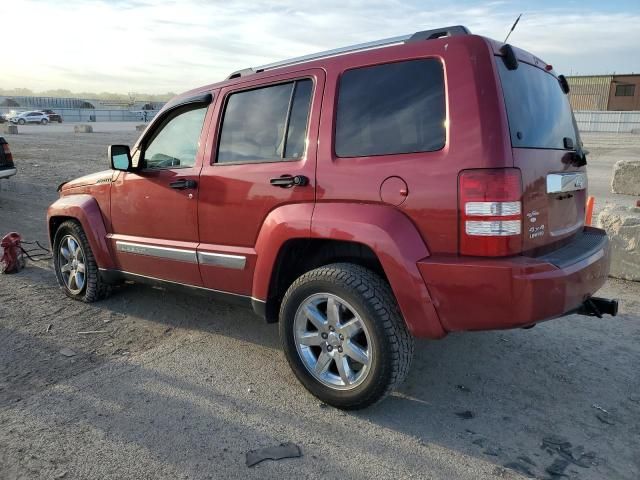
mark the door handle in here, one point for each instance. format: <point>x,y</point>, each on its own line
<point>286,181</point>
<point>183,184</point>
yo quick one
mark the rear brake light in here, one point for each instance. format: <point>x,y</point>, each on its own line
<point>490,208</point>
<point>8,158</point>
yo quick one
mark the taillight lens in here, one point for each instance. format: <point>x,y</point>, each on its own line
<point>490,209</point>
<point>8,158</point>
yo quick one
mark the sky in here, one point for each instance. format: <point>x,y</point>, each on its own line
<point>160,46</point>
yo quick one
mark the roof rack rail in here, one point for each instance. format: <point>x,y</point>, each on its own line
<point>385,42</point>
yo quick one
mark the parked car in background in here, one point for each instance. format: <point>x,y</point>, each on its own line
<point>3,118</point>
<point>30,117</point>
<point>7,167</point>
<point>53,116</point>
<point>361,197</point>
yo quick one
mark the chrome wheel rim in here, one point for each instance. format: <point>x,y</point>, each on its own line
<point>333,341</point>
<point>71,261</point>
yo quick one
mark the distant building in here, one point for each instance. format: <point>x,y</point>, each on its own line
<point>605,92</point>
<point>60,103</point>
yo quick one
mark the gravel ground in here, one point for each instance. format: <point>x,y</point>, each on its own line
<point>179,387</point>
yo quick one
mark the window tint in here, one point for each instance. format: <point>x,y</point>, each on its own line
<point>176,143</point>
<point>266,124</point>
<point>539,112</point>
<point>391,108</point>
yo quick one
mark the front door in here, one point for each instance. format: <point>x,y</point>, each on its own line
<point>267,131</point>
<point>154,209</point>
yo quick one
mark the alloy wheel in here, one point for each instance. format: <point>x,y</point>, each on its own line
<point>333,341</point>
<point>71,261</point>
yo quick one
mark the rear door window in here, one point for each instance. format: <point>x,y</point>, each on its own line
<point>539,112</point>
<point>267,124</point>
<point>391,108</point>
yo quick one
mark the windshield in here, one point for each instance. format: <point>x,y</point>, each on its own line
<point>539,112</point>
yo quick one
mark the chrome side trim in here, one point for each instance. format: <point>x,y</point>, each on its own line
<point>158,252</point>
<point>566,182</point>
<point>235,262</point>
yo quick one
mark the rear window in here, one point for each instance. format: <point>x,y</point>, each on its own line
<point>391,108</point>
<point>539,112</point>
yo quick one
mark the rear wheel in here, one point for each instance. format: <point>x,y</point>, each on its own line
<point>44,121</point>
<point>344,336</point>
<point>75,265</point>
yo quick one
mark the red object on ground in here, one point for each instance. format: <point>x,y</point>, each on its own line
<point>588,216</point>
<point>12,260</point>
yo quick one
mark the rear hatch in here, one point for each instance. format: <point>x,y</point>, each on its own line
<point>547,149</point>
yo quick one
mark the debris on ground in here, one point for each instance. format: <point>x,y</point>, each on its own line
<point>462,388</point>
<point>557,468</point>
<point>466,415</point>
<point>574,454</point>
<point>520,468</point>
<point>598,407</point>
<point>67,352</point>
<point>284,450</point>
<point>605,418</point>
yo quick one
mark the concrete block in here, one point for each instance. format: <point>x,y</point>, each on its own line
<point>626,177</point>
<point>10,129</point>
<point>83,129</point>
<point>623,227</point>
<point>141,128</point>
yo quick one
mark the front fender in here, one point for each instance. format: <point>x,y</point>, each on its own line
<point>85,210</point>
<point>398,245</point>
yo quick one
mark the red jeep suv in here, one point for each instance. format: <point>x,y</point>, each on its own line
<point>360,197</point>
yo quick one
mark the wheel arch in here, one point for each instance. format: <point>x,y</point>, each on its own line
<point>85,210</point>
<point>378,237</point>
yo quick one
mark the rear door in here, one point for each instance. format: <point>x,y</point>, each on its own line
<point>266,133</point>
<point>544,138</point>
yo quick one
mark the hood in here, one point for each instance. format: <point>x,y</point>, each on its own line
<point>92,179</point>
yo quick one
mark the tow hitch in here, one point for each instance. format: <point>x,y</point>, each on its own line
<point>597,307</point>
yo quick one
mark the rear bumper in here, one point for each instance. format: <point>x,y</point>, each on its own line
<point>471,293</point>
<point>6,172</point>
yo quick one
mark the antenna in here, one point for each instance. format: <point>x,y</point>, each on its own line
<point>513,27</point>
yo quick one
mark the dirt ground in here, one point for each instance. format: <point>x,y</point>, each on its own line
<point>150,384</point>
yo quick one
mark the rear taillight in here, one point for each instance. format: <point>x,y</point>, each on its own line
<point>490,210</point>
<point>7,158</point>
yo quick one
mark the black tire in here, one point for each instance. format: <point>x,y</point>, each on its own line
<point>22,121</point>
<point>93,288</point>
<point>44,121</point>
<point>390,342</point>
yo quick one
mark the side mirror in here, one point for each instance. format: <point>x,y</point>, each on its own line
<point>119,157</point>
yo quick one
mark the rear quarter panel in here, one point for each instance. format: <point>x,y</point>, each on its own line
<point>477,137</point>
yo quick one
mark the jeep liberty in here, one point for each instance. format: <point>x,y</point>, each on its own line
<point>360,197</point>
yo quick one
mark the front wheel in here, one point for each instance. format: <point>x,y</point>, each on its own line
<point>344,336</point>
<point>44,121</point>
<point>22,121</point>
<point>75,266</point>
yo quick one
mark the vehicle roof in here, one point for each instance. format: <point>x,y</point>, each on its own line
<point>400,49</point>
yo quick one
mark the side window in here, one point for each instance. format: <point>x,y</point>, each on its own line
<point>391,108</point>
<point>267,124</point>
<point>175,143</point>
